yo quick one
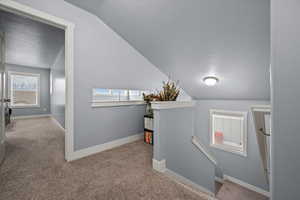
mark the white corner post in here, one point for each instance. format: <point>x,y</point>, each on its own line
<point>159,161</point>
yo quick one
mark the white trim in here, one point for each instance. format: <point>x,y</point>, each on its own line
<point>158,105</point>
<point>247,185</point>
<point>23,10</point>
<point>69,109</point>
<point>196,142</point>
<point>44,17</point>
<point>117,103</point>
<point>103,147</point>
<point>57,123</point>
<point>190,185</point>
<point>219,180</point>
<point>31,116</point>
<point>159,166</point>
<point>243,116</point>
<point>261,108</point>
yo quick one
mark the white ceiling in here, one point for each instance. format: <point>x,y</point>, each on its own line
<point>193,38</point>
<point>30,43</point>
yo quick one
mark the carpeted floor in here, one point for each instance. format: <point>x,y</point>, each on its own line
<point>232,191</point>
<point>35,169</point>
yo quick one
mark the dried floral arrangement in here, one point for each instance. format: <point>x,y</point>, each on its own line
<point>169,92</point>
<point>149,97</point>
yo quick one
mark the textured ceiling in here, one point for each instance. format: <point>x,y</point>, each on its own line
<point>30,43</point>
<point>191,39</point>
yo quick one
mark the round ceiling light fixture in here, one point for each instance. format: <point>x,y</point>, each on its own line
<point>210,80</point>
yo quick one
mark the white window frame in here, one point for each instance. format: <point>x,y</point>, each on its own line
<point>114,103</point>
<point>10,88</point>
<point>243,116</point>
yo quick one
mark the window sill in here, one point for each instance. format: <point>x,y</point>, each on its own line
<point>161,105</point>
<point>229,149</point>
<point>117,104</point>
<point>25,106</point>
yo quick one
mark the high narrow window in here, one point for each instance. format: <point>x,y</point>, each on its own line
<point>229,131</point>
<point>117,95</point>
<point>24,89</point>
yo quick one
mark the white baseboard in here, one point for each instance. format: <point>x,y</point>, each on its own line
<point>247,185</point>
<point>106,146</point>
<point>31,116</point>
<point>57,123</point>
<point>190,185</point>
<point>219,180</point>
<point>159,166</point>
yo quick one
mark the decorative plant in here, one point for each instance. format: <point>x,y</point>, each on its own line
<point>169,92</point>
<point>149,97</point>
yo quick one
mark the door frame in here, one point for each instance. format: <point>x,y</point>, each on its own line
<point>2,95</point>
<point>20,9</point>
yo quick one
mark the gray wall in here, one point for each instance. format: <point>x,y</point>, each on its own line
<point>29,42</point>
<point>191,39</point>
<point>173,129</point>
<point>44,90</point>
<point>58,89</point>
<point>103,60</point>
<point>248,169</point>
<point>285,67</point>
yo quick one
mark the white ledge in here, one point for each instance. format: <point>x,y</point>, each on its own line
<point>117,103</point>
<point>158,105</point>
<point>261,108</point>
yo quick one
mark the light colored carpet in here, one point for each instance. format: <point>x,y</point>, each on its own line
<point>35,169</point>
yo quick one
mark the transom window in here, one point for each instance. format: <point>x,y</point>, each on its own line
<point>229,131</point>
<point>24,89</point>
<point>117,95</point>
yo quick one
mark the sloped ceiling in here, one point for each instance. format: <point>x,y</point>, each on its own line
<point>30,43</point>
<point>191,39</point>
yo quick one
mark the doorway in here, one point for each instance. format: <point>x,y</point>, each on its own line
<point>67,53</point>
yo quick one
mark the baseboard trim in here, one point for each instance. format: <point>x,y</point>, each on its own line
<point>159,166</point>
<point>219,180</point>
<point>31,116</point>
<point>57,123</point>
<point>190,185</point>
<point>247,185</point>
<point>103,147</point>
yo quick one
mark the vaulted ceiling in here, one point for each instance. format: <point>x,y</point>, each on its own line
<point>30,43</point>
<point>191,39</point>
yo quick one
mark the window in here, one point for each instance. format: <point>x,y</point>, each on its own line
<point>117,97</point>
<point>137,95</point>
<point>24,89</point>
<point>229,131</point>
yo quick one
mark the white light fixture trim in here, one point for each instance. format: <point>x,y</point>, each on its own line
<point>210,80</point>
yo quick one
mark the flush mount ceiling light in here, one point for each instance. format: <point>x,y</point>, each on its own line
<point>210,80</point>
